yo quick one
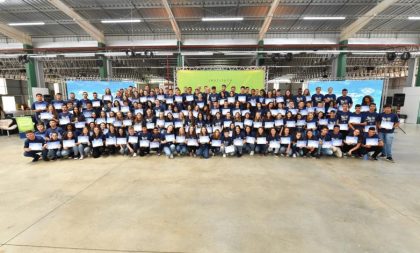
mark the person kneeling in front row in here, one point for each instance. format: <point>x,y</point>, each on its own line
<point>34,145</point>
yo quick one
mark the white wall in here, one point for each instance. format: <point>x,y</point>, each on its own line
<point>411,104</point>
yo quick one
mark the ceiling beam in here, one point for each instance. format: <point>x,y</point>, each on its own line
<point>15,34</point>
<point>357,25</point>
<point>83,23</point>
<point>171,17</point>
<point>268,19</point>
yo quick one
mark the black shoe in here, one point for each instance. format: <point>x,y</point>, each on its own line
<point>382,155</point>
<point>46,159</point>
<point>54,158</point>
<point>389,159</point>
<point>374,158</point>
<point>36,158</point>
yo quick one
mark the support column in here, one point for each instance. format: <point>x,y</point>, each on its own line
<point>103,69</point>
<point>417,77</point>
<point>30,74</point>
<point>260,56</point>
<point>342,60</point>
<point>179,58</point>
<point>412,72</point>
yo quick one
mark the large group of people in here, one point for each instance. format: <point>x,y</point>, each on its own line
<point>208,122</point>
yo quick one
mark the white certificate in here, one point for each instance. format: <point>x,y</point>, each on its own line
<point>143,99</point>
<point>110,141</point>
<point>53,145</point>
<point>222,101</point>
<point>300,122</point>
<point>115,109</point>
<point>282,112</point>
<point>278,122</point>
<point>96,103</point>
<point>35,146</point>
<point>242,99</point>
<point>279,100</point>
<point>40,106</point>
<point>326,144</point>
<point>238,142</point>
<point>226,124</point>
<point>189,98</point>
<point>46,115</point>
<point>243,112</point>
<point>80,124</point>
<point>372,141</point>
<point>117,123</point>
<point>387,125</point>
<point>344,127</point>
<point>178,124</point>
<point>214,111</point>
<point>144,143</point>
<point>355,120</point>
<point>97,143</point>
<point>68,143</point>
<point>313,143</point>
<point>121,141</point>
<point>301,144</point>
<point>311,125</point>
<point>127,122</point>
<point>250,139</point>
<point>319,109</point>
<point>204,139</point>
<point>180,139</point>
<point>125,109</point>
<point>100,121</point>
<point>192,142</point>
<point>274,112</point>
<point>216,143</point>
<point>110,120</point>
<point>291,123</point>
<point>58,106</point>
<point>274,144</point>
<point>90,120</point>
<point>201,104</point>
<point>367,128</point>
<point>225,111</point>
<point>257,124</point>
<point>169,101</point>
<point>87,114</point>
<point>261,140</point>
<point>248,122</point>
<point>160,122</point>
<point>160,97</point>
<point>323,122</point>
<point>170,138</point>
<point>151,99</point>
<point>268,100</point>
<point>133,139</point>
<point>137,127</point>
<point>230,149</point>
<point>330,126</point>
<point>64,120</point>
<point>269,124</point>
<point>351,140</point>
<point>107,98</point>
<point>178,99</point>
<point>293,111</point>
<point>285,140</point>
<point>154,144</point>
<point>83,139</point>
<point>365,108</point>
<point>231,100</point>
<point>150,125</point>
<point>240,124</point>
<point>337,142</point>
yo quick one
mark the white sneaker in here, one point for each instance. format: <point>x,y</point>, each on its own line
<point>294,155</point>
<point>224,155</point>
<point>134,155</point>
<point>171,156</point>
<point>76,158</point>
<point>81,158</point>
<point>251,153</point>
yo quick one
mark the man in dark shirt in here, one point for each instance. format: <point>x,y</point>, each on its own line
<point>386,124</point>
<point>34,145</point>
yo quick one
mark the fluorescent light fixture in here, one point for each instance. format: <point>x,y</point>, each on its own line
<point>223,19</point>
<point>414,18</point>
<point>27,24</point>
<point>324,18</point>
<point>119,21</point>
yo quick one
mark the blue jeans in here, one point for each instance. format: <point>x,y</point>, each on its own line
<point>169,150</point>
<point>181,149</point>
<point>203,151</point>
<point>325,151</point>
<point>249,147</point>
<point>387,138</point>
<point>54,153</point>
<point>34,154</point>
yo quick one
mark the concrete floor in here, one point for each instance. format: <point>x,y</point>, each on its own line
<point>252,204</point>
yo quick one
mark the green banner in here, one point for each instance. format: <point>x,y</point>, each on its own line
<point>194,78</point>
<point>24,124</point>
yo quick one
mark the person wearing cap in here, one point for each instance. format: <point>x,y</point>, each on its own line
<point>344,99</point>
<point>386,123</point>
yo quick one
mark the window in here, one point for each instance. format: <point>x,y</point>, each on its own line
<point>3,86</point>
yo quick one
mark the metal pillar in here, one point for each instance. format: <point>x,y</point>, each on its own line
<point>103,68</point>
<point>342,60</point>
<point>260,56</point>
<point>30,73</point>
<point>412,72</point>
<point>180,57</point>
<point>417,77</point>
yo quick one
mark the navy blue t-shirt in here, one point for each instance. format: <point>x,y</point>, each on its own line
<point>383,117</point>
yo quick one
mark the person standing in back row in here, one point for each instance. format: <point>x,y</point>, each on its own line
<point>386,124</point>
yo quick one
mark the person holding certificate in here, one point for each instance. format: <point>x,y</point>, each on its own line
<point>273,140</point>
<point>298,145</point>
<point>97,140</point>
<point>156,138</point>
<point>386,122</point>
<point>54,147</point>
<point>353,143</point>
<point>261,139</point>
<point>311,149</point>
<point>168,142</point>
<point>39,105</point>
<point>216,143</point>
<point>372,143</point>
<point>356,118</point>
<point>34,145</point>
<point>238,140</point>
<point>325,143</point>
<point>204,144</point>
<point>249,140</point>
<point>83,143</point>
<point>132,142</point>
<point>181,146</point>
<point>111,137</point>
<point>285,143</point>
<point>69,146</point>
<point>40,131</point>
<point>192,135</point>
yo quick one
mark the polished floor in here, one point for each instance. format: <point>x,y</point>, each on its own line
<point>251,204</point>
